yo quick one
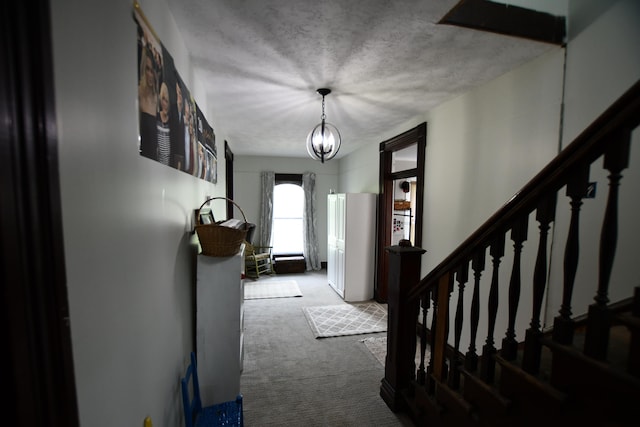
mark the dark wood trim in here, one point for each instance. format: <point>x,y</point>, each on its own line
<point>288,178</point>
<point>420,184</point>
<point>228,161</point>
<point>407,173</point>
<point>35,327</point>
<point>507,19</point>
<point>417,135</point>
<point>383,227</point>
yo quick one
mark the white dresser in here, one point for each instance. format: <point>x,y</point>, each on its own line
<point>351,220</point>
<point>219,327</point>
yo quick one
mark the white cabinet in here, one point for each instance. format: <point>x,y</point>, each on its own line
<point>219,327</point>
<point>351,220</point>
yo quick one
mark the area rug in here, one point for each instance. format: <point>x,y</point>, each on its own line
<point>271,289</point>
<point>346,319</point>
<point>378,347</point>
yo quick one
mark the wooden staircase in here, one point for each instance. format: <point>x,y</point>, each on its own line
<point>582,370</point>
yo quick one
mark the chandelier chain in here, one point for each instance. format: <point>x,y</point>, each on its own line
<point>323,117</point>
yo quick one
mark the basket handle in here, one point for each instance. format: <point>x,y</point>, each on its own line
<point>228,200</point>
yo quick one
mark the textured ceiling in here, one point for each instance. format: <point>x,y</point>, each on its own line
<point>387,63</point>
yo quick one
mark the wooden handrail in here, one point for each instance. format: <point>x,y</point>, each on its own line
<point>624,114</point>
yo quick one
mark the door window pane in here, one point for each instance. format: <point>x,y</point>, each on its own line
<point>404,159</point>
<point>404,210</point>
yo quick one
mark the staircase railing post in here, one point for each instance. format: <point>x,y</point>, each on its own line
<point>404,274</point>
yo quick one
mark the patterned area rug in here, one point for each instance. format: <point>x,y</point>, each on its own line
<point>346,319</point>
<point>271,289</point>
<point>378,347</point>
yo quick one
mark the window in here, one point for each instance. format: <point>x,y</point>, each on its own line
<point>288,206</point>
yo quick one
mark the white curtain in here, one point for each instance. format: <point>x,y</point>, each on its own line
<point>309,222</point>
<point>266,208</point>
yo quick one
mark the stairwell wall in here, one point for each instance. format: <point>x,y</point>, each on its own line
<point>602,63</point>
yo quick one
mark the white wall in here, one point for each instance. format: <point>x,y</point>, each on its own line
<point>247,186</point>
<point>359,171</point>
<point>485,145</point>
<point>129,262</point>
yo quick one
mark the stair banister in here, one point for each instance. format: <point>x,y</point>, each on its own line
<point>402,387</point>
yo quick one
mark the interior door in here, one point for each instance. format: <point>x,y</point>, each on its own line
<point>402,160</point>
<point>35,326</point>
<point>228,161</point>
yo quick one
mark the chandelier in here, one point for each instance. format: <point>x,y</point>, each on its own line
<point>323,142</point>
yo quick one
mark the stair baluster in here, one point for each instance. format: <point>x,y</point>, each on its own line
<point>488,365</point>
<point>577,185</point>
<point>518,236</point>
<point>616,159</point>
<point>462,275</point>
<point>634,345</point>
<point>532,347</point>
<point>431,386</point>
<point>421,374</point>
<point>441,333</point>
<point>477,264</point>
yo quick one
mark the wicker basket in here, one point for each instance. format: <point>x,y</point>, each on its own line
<point>217,240</point>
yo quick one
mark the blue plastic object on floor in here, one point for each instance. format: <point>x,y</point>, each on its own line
<point>221,414</point>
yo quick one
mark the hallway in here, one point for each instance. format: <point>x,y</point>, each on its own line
<point>292,379</point>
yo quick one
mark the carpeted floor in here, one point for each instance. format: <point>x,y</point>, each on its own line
<point>290,378</point>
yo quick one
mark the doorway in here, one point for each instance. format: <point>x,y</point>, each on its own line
<point>38,365</point>
<point>228,165</point>
<point>400,204</point>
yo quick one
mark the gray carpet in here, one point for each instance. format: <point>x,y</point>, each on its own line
<point>292,379</point>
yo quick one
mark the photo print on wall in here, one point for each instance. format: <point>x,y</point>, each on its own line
<point>173,130</point>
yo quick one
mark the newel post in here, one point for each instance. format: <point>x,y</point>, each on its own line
<point>399,370</point>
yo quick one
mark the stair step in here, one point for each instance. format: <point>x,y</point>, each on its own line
<point>629,320</point>
<point>576,360</point>
<point>424,407</point>
<point>632,321</point>
<point>600,389</point>
<point>484,398</point>
<point>456,410</point>
<point>527,392</point>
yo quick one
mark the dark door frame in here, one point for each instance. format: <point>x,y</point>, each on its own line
<point>228,162</point>
<point>34,312</point>
<point>417,135</point>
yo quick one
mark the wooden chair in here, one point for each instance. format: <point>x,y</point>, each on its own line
<point>257,260</point>
<point>221,414</point>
